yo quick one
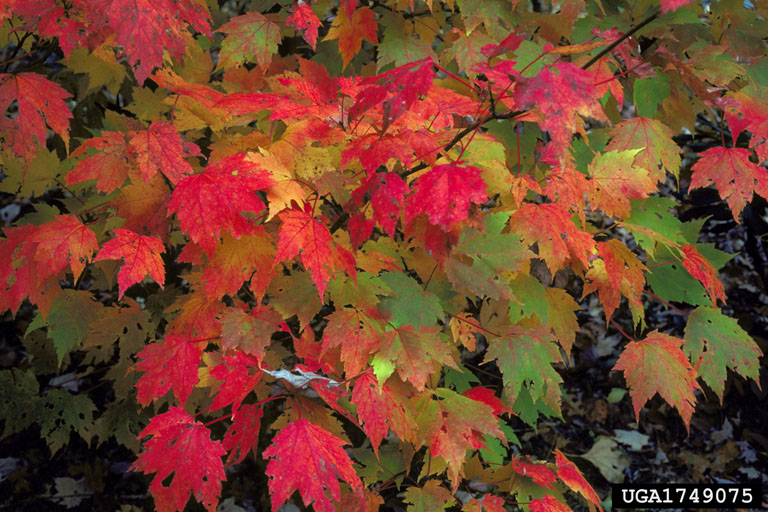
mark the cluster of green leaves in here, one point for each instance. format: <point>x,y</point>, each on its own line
<point>322,215</point>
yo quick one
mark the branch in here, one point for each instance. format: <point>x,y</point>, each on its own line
<point>617,42</point>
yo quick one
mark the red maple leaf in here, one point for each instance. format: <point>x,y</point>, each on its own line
<point>145,28</point>
<point>548,504</point>
<point>672,5</point>
<point>303,18</point>
<point>304,234</point>
<point>181,446</point>
<point>243,434</point>
<point>322,462</point>
<point>734,176</point>
<point>107,160</point>
<point>382,408</point>
<point>558,93</point>
<point>18,274</point>
<point>538,472</point>
<point>395,91</point>
<point>488,397</point>
<point>238,374</point>
<point>171,363</point>
<point>40,102</point>
<point>160,149</point>
<point>445,192</point>
<point>572,477</point>
<point>141,255</point>
<point>202,213</point>
<point>700,268</point>
<point>61,241</point>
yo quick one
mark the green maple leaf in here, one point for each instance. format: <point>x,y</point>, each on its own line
<point>411,304</point>
<point>716,344</point>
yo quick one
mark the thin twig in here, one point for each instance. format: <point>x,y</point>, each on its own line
<point>605,51</point>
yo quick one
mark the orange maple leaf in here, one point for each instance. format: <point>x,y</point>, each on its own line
<point>657,365</point>
<point>351,31</point>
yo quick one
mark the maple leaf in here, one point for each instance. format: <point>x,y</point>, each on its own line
<point>357,334</point>
<point>450,429</point>
<point>40,102</point>
<point>653,138</point>
<point>409,303</point>
<point>558,93</point>
<point>303,18</point>
<point>303,233</point>
<point>181,446</point>
<point>144,206</point>
<point>160,149</point>
<point>734,176</point>
<point>61,241</point>
<point>572,477</point>
<point>615,180</point>
<point>237,380</point>
<point>243,433</point>
<point>144,28</point>
<point>171,363</point>
<point>704,271</point>
<point>525,357</point>
<point>250,333</point>
<point>433,497</point>
<point>488,397</point>
<point>18,275</point>
<point>550,226</point>
<point>414,353</point>
<point>141,255</point>
<point>380,408</point>
<point>750,112</point>
<point>618,272</point>
<point>108,165</point>
<point>445,192</point>
<point>395,90</point>
<point>350,30</point>
<point>539,472</point>
<point>235,261</point>
<point>717,343</point>
<point>322,462</point>
<point>487,503</point>
<point>251,36</point>
<point>672,5</point>
<point>491,253</point>
<point>657,365</point>
<point>202,213</point>
<point>548,504</point>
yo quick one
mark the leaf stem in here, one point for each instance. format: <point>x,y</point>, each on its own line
<point>630,338</point>
<point>648,292</point>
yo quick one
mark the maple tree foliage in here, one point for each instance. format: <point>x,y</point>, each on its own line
<point>311,222</point>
